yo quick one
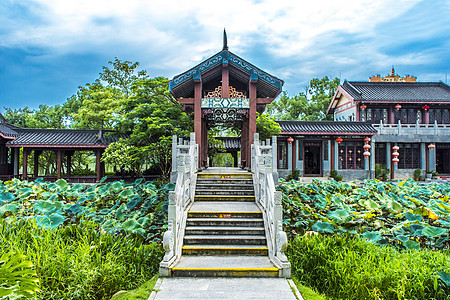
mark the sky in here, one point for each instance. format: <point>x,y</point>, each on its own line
<point>48,48</point>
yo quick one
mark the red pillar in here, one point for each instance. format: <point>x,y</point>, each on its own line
<point>98,165</point>
<point>391,115</point>
<point>294,157</point>
<point>69,162</point>
<point>225,81</point>
<point>198,119</point>
<point>36,163</point>
<point>25,164</point>
<point>251,119</point>
<point>244,142</point>
<point>58,163</point>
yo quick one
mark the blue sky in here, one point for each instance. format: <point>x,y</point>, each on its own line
<point>50,47</point>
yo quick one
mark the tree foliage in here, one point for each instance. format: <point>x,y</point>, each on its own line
<point>309,106</point>
<point>267,127</point>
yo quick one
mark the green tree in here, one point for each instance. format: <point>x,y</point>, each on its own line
<point>309,106</point>
<point>98,107</point>
<point>122,75</point>
<point>267,127</point>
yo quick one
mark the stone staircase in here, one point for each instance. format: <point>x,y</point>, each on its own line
<point>224,234</point>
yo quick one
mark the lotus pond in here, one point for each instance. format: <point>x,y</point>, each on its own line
<point>138,208</point>
<point>407,215</point>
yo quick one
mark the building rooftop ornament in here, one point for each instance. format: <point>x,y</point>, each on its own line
<point>225,42</point>
<point>392,78</point>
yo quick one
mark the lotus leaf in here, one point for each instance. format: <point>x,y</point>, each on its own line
<point>432,231</point>
<point>372,236</point>
<point>412,245</point>
<point>43,206</point>
<point>445,277</point>
<point>51,221</point>
<point>402,238</point>
<point>61,183</point>
<point>339,215</point>
<point>323,227</point>
<point>169,187</point>
<point>7,197</point>
<point>131,225</point>
<point>9,208</point>
<point>126,193</point>
<point>120,215</point>
<point>117,186</point>
<point>412,217</point>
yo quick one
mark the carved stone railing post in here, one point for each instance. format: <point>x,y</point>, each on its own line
<point>264,170</point>
<point>184,163</point>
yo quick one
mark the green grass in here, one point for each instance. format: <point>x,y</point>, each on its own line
<point>307,292</point>
<point>346,267</point>
<point>141,293</point>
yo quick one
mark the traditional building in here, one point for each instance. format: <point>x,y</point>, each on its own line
<point>64,142</point>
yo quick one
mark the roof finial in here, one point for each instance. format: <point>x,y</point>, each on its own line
<point>225,43</point>
<point>392,71</point>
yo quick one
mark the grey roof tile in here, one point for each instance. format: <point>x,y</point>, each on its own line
<point>326,128</point>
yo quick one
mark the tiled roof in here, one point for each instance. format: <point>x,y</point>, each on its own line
<point>230,143</point>
<point>398,91</point>
<point>326,128</point>
<point>6,129</point>
<point>64,138</point>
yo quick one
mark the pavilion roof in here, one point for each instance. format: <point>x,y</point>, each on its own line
<point>267,85</point>
<point>413,92</point>
<point>7,130</point>
<point>326,128</point>
<point>64,138</point>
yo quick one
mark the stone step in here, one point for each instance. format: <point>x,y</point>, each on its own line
<point>256,250</point>
<point>224,240</point>
<point>243,181</point>
<point>242,198</point>
<point>225,175</point>
<point>225,214</point>
<point>224,192</point>
<point>224,186</point>
<point>224,230</point>
<point>224,266</point>
<point>241,222</point>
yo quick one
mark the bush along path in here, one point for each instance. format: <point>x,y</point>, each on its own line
<point>379,241</point>
<point>80,242</point>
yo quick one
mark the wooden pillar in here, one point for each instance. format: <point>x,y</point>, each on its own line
<point>198,118</point>
<point>331,158</point>
<point>225,81</point>
<point>69,162</point>
<point>58,163</point>
<point>244,142</point>
<point>294,155</point>
<point>235,159</point>
<point>98,163</point>
<point>251,119</point>
<point>36,163</point>
<point>204,142</point>
<point>391,119</point>
<point>426,117</point>
<point>25,164</point>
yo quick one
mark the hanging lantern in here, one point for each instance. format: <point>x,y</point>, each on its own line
<point>367,140</point>
<point>395,160</point>
<point>396,148</point>
<point>290,140</point>
<point>363,106</point>
<point>398,106</point>
<point>366,154</point>
<point>339,140</point>
<point>431,146</point>
<point>426,107</point>
<point>366,147</point>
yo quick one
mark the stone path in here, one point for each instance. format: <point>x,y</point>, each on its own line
<point>224,288</point>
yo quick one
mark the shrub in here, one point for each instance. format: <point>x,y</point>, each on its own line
<point>334,174</point>
<point>78,262</point>
<point>294,175</point>
<point>418,175</point>
<point>343,267</point>
<point>382,172</point>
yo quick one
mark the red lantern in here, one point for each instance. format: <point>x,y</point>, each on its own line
<point>395,160</point>
<point>366,154</point>
<point>431,146</point>
<point>426,107</point>
<point>290,140</point>
<point>396,148</point>
<point>367,140</point>
<point>398,106</point>
<point>366,147</point>
<point>339,140</point>
<point>363,106</point>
